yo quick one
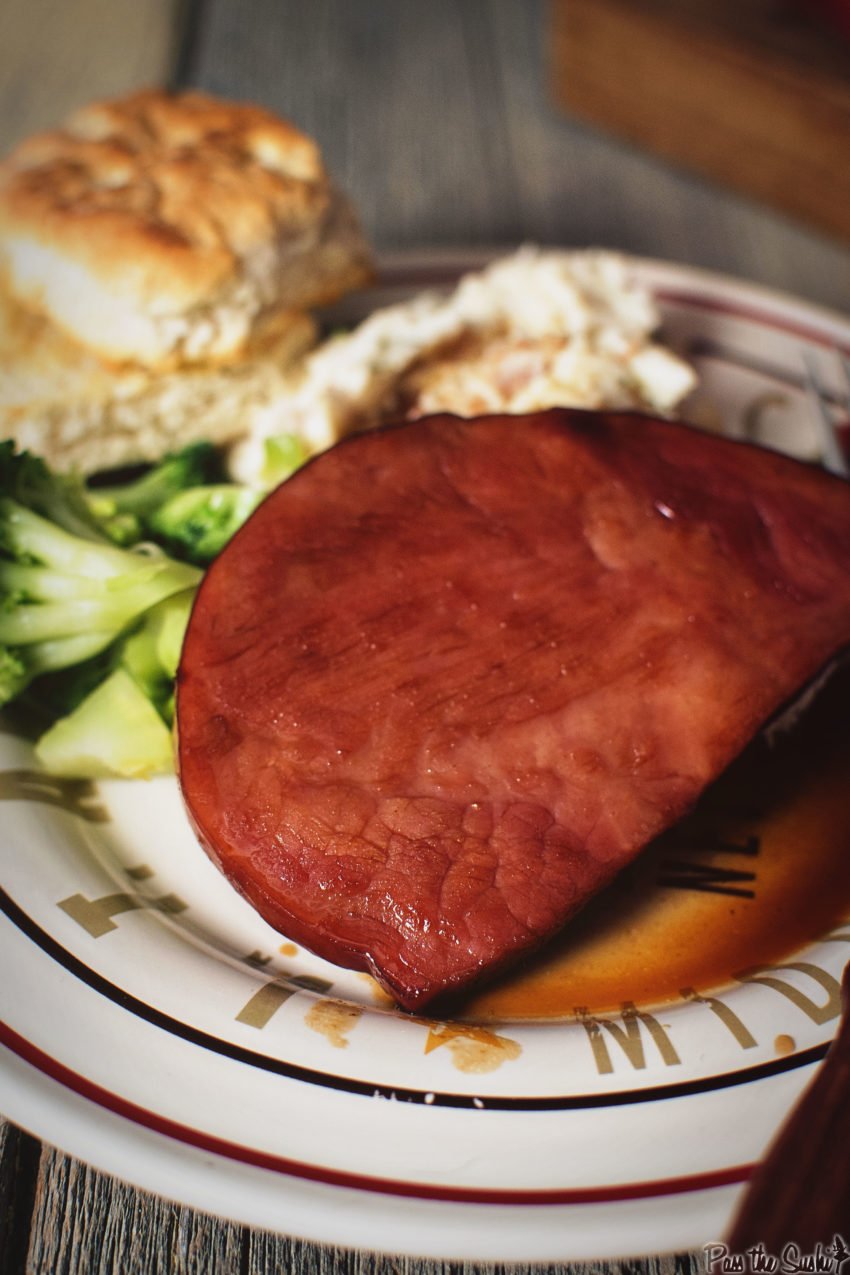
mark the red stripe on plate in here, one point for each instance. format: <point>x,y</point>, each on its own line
<point>742,310</point>
<point>439,273</point>
<point>86,1088</point>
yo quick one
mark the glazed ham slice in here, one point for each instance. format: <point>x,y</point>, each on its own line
<point>454,675</point>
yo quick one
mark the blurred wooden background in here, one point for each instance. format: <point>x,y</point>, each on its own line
<point>755,95</point>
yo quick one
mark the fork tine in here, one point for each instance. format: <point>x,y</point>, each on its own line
<point>844,359</point>
<point>833,456</point>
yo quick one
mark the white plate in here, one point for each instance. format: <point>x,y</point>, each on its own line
<point>156,1027</point>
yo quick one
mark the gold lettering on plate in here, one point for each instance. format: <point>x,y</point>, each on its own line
<point>627,1034</point>
<point>817,1013</point>
<point>727,1016</point>
<point>141,872</point>
<point>76,796</point>
<point>474,1050</point>
<point>170,903</point>
<point>95,915</point>
<point>267,1001</point>
<point>263,1004</point>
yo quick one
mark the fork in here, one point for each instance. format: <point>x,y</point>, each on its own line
<point>801,1192</point>
<point>824,401</point>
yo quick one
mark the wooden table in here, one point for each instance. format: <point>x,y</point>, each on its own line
<point>437,119</point>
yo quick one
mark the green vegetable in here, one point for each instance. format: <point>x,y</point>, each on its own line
<point>114,731</point>
<point>152,652</point>
<point>193,466</point>
<point>182,504</point>
<point>66,592</point>
<point>62,498</point>
<point>282,455</point>
<point>92,613</point>
<point>106,727</point>
<point>197,524</point>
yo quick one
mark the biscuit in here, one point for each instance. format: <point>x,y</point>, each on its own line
<point>78,412</point>
<point>162,229</point>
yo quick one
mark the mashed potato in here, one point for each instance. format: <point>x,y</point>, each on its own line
<point>537,329</point>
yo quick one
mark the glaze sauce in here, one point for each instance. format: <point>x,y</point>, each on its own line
<point>758,870</point>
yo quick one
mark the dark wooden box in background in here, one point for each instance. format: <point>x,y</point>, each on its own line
<point>751,93</point>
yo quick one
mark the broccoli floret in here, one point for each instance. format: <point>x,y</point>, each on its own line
<point>55,694</point>
<point>197,524</point>
<point>114,711</point>
<point>62,498</point>
<point>66,591</point>
<point>13,675</point>
<point>182,503</point>
<point>92,629</point>
<point>282,455</point>
<point>193,466</point>
<point>152,652</point>
<point>114,731</point>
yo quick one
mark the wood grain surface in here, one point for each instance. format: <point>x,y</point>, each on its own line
<point>712,87</point>
<point>437,118</point>
<point>55,57</point>
<point>474,150</point>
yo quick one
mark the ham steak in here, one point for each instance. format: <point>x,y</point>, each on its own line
<point>452,676</point>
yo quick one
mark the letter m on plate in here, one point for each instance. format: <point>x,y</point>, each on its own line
<point>631,1034</point>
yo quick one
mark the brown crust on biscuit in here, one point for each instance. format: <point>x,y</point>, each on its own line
<point>173,208</point>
